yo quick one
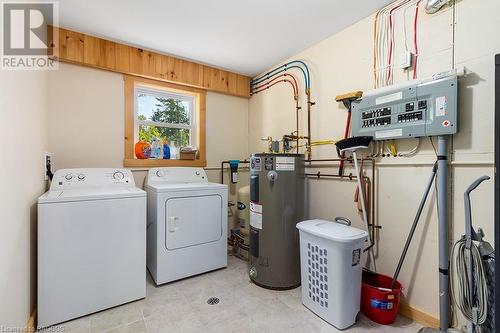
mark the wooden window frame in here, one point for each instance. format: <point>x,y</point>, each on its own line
<point>131,82</point>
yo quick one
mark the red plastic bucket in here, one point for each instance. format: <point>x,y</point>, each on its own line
<point>379,305</point>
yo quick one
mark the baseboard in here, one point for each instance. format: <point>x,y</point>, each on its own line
<point>417,315</point>
<point>31,323</point>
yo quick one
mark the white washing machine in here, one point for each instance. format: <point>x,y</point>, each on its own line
<point>187,223</point>
<point>91,243</point>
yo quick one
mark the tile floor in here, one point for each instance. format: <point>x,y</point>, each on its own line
<point>244,307</point>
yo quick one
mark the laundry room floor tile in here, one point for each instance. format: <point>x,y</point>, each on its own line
<point>116,317</point>
<point>243,307</point>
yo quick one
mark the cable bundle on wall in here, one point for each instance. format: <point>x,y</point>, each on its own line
<point>384,43</point>
<point>384,52</point>
<point>278,75</point>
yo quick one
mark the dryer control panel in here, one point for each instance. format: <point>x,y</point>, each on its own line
<point>91,177</point>
<point>176,175</point>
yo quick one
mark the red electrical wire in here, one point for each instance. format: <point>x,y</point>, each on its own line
<point>275,80</point>
<point>389,72</point>
<point>415,40</point>
<point>272,84</point>
<point>390,43</point>
<point>346,135</point>
<point>347,125</point>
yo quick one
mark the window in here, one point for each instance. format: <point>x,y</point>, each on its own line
<point>166,116</point>
<point>166,112</point>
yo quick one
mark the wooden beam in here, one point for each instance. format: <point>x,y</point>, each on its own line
<point>417,315</point>
<point>81,49</point>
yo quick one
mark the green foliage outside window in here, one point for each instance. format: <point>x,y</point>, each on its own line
<point>170,111</point>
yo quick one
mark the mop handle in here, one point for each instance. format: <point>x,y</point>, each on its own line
<point>414,225</point>
<point>363,208</point>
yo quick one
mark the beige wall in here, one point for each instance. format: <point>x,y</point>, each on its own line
<point>83,116</point>
<point>23,133</point>
<point>86,120</point>
<point>343,63</point>
<point>86,126</point>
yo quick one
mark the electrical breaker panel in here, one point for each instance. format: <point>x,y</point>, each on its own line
<point>412,110</point>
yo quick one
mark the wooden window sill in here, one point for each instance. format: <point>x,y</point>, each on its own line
<point>155,163</point>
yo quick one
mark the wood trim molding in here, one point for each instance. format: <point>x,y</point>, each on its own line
<point>129,138</point>
<point>417,315</point>
<point>31,323</point>
<point>81,49</point>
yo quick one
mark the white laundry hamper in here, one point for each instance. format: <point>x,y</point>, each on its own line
<point>330,260</point>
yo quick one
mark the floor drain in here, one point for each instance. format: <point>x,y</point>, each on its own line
<point>213,301</point>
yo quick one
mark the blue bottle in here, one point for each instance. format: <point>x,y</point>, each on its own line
<point>166,151</point>
<point>154,151</point>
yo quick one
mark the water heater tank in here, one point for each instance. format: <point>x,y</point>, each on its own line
<point>277,203</point>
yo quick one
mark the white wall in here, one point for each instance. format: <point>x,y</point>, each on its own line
<point>343,63</point>
<point>86,126</point>
<point>23,133</point>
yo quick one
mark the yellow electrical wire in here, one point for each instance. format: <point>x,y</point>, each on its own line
<point>323,142</point>
<point>393,149</point>
<point>319,143</point>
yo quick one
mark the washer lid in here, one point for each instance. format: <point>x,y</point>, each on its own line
<point>98,193</point>
<point>332,230</point>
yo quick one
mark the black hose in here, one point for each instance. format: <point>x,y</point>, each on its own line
<point>48,171</point>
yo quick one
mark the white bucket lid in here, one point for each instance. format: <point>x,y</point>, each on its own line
<point>332,230</point>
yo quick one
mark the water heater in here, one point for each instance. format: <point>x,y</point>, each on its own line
<point>276,206</point>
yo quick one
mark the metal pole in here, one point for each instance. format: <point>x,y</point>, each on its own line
<point>414,225</point>
<point>363,208</point>
<point>309,103</point>
<point>444,255</point>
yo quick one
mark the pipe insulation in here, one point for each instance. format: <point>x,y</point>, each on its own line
<point>283,68</point>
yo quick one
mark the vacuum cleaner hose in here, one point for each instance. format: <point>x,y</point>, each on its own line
<point>460,282</point>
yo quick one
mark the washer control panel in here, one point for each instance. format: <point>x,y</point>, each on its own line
<point>92,177</point>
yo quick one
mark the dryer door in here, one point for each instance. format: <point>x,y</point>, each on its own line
<point>191,221</point>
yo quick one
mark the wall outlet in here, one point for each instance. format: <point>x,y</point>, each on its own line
<point>405,61</point>
<point>46,161</point>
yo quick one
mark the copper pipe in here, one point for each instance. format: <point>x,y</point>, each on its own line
<point>330,175</point>
<point>326,160</point>
<point>309,103</point>
<point>293,82</point>
<point>297,108</point>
